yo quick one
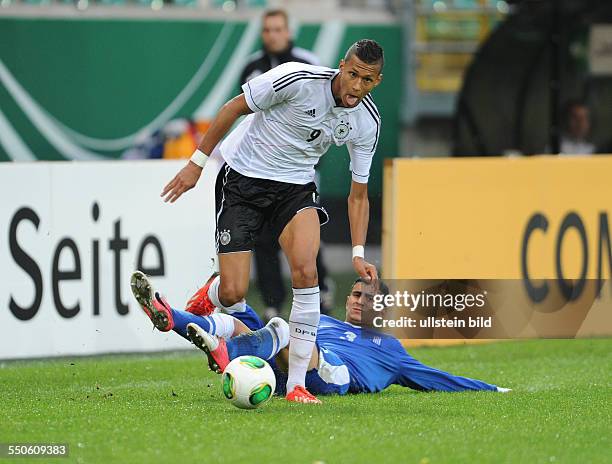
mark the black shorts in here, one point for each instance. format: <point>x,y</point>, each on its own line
<point>244,204</point>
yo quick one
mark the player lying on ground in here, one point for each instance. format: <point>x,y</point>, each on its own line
<point>344,360</point>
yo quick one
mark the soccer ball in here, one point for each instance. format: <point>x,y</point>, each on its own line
<point>248,382</point>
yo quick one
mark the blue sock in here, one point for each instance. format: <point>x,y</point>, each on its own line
<point>182,318</point>
<point>263,343</point>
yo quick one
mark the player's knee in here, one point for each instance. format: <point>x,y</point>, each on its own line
<point>304,275</point>
<point>230,293</point>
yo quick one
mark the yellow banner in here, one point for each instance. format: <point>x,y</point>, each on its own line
<point>544,222</point>
<point>497,218</point>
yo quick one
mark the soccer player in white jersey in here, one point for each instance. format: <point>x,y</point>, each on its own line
<point>295,113</point>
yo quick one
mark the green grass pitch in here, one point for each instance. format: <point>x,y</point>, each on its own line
<point>169,408</point>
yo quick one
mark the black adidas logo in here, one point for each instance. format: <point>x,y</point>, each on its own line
<point>310,113</point>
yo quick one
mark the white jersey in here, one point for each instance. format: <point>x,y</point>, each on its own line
<point>295,121</point>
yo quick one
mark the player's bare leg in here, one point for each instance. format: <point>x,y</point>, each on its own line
<point>300,242</point>
<point>228,289</point>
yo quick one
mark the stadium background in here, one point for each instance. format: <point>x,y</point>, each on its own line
<point>89,82</point>
<point>83,83</point>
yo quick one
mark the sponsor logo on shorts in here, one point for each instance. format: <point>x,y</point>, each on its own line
<point>225,237</point>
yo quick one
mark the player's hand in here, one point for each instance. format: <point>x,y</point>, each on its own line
<point>365,270</point>
<point>183,181</point>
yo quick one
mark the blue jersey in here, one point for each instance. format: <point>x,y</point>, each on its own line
<point>373,361</point>
<point>376,361</point>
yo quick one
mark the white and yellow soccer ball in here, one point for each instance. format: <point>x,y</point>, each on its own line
<point>248,382</point>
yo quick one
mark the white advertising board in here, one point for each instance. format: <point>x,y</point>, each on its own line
<point>71,233</point>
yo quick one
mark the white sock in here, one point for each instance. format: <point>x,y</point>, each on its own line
<point>224,325</point>
<point>303,324</point>
<point>213,294</point>
<point>280,329</point>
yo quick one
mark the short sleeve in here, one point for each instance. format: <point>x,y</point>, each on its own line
<point>272,87</point>
<point>362,149</point>
<point>361,161</point>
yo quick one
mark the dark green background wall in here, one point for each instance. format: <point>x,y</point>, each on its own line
<point>108,78</point>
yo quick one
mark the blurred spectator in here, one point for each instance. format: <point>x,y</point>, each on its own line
<point>177,139</point>
<point>576,130</point>
<point>181,138</point>
<point>146,146</point>
<point>278,48</point>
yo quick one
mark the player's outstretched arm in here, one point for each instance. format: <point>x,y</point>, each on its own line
<point>188,176</point>
<point>359,215</point>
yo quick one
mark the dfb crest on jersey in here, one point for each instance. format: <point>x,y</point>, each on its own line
<point>341,131</point>
<point>225,237</point>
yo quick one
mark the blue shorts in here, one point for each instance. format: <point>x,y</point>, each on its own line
<point>331,377</point>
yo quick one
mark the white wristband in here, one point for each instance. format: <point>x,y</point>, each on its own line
<point>358,251</point>
<point>199,158</point>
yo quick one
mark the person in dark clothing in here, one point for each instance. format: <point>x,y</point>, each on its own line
<point>277,47</point>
